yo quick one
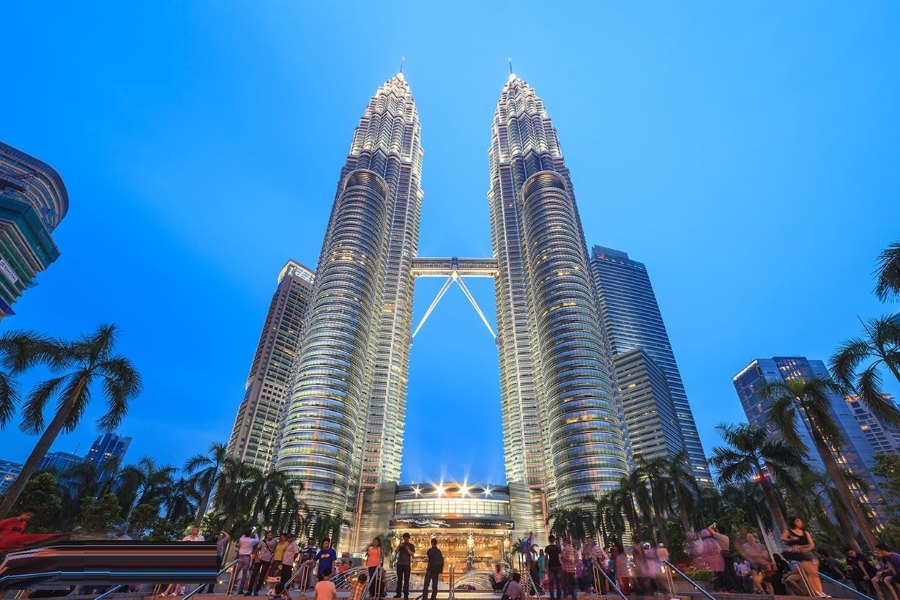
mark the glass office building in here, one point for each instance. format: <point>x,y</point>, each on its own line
<point>632,319</point>
<point>33,201</point>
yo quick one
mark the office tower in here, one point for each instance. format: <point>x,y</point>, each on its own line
<point>554,381</point>
<point>108,452</point>
<point>60,461</point>
<point>8,473</point>
<point>650,417</point>
<point>343,424</point>
<point>33,200</point>
<point>268,384</point>
<point>883,437</point>
<point>855,454</point>
<point>632,319</point>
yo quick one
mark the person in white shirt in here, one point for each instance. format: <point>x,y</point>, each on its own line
<point>287,559</point>
<point>246,543</point>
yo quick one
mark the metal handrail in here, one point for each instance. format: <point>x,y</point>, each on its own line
<point>203,585</point>
<point>809,589</point>
<point>596,568</point>
<point>534,585</point>
<point>845,586</point>
<point>452,595</point>
<point>111,590</point>
<point>689,580</point>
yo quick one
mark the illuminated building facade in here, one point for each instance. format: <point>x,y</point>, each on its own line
<point>255,431</point>
<point>343,424</point>
<point>883,437</point>
<point>632,319</point>
<point>33,201</point>
<point>856,454</point>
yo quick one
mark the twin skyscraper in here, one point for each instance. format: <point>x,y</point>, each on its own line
<point>340,423</point>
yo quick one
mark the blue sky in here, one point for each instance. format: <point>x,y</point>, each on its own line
<point>747,153</point>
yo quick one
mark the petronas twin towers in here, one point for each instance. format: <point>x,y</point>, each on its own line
<point>343,426</point>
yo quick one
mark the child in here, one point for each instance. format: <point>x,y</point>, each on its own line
<point>325,589</point>
<point>358,590</point>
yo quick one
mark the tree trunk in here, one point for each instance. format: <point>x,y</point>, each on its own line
<point>837,475</point>
<point>37,455</point>
<point>772,499</point>
<point>201,510</point>
<point>684,517</point>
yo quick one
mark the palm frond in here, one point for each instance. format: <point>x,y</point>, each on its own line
<point>887,272</point>
<point>36,402</point>
<point>9,398</point>
<point>783,414</point>
<point>844,363</point>
<point>77,394</point>
<point>870,390</point>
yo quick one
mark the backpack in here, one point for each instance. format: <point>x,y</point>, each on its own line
<point>439,563</point>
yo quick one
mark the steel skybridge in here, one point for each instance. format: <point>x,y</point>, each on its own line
<point>454,269</point>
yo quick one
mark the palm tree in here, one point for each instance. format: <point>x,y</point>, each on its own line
<point>236,492</point>
<point>203,470</point>
<point>752,455</point>
<point>653,474</point>
<point>19,351</point>
<point>623,499</point>
<point>812,398</point>
<point>147,483</point>
<point>571,523</point>
<point>610,520</point>
<point>888,272</point>
<point>685,488</point>
<point>91,363</point>
<point>880,346</point>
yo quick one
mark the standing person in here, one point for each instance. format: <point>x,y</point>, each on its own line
<point>708,556</point>
<point>325,589</point>
<point>246,543</point>
<point>373,562</point>
<point>307,556</point>
<point>542,566</point>
<point>221,545</point>
<point>326,557</point>
<point>799,547</point>
<point>554,568</point>
<point>569,567</point>
<point>265,549</point>
<point>498,578</point>
<point>622,569</point>
<point>405,553</point>
<point>288,556</point>
<point>433,570</point>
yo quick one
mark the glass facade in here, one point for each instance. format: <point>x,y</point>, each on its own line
<point>855,454</point>
<point>342,430</point>
<point>562,433</point>
<point>256,429</point>
<point>33,201</point>
<point>108,449</point>
<point>632,319</point>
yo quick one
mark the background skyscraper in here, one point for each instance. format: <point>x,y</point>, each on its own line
<point>33,201</point>
<point>883,437</point>
<point>268,384</point>
<point>106,450</point>
<point>632,319</point>
<point>60,461</point>
<point>555,383</point>
<point>855,454</point>
<point>650,417</point>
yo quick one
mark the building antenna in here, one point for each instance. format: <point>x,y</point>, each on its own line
<point>509,60</point>
<point>402,62</point>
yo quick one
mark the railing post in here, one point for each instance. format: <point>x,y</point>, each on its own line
<point>689,580</point>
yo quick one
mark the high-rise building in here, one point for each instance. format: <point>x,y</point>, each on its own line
<point>855,454</point>
<point>268,384</point>
<point>650,418</point>
<point>343,424</point>
<point>632,319</point>
<point>107,450</point>
<point>60,461</point>
<point>8,473</point>
<point>883,437</point>
<point>33,201</point>
<point>555,383</point>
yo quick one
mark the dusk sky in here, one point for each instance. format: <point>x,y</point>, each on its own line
<point>747,154</point>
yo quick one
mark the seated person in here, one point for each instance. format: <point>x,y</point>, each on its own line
<point>498,578</point>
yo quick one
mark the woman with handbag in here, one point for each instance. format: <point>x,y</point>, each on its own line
<point>799,547</point>
<point>514,589</point>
